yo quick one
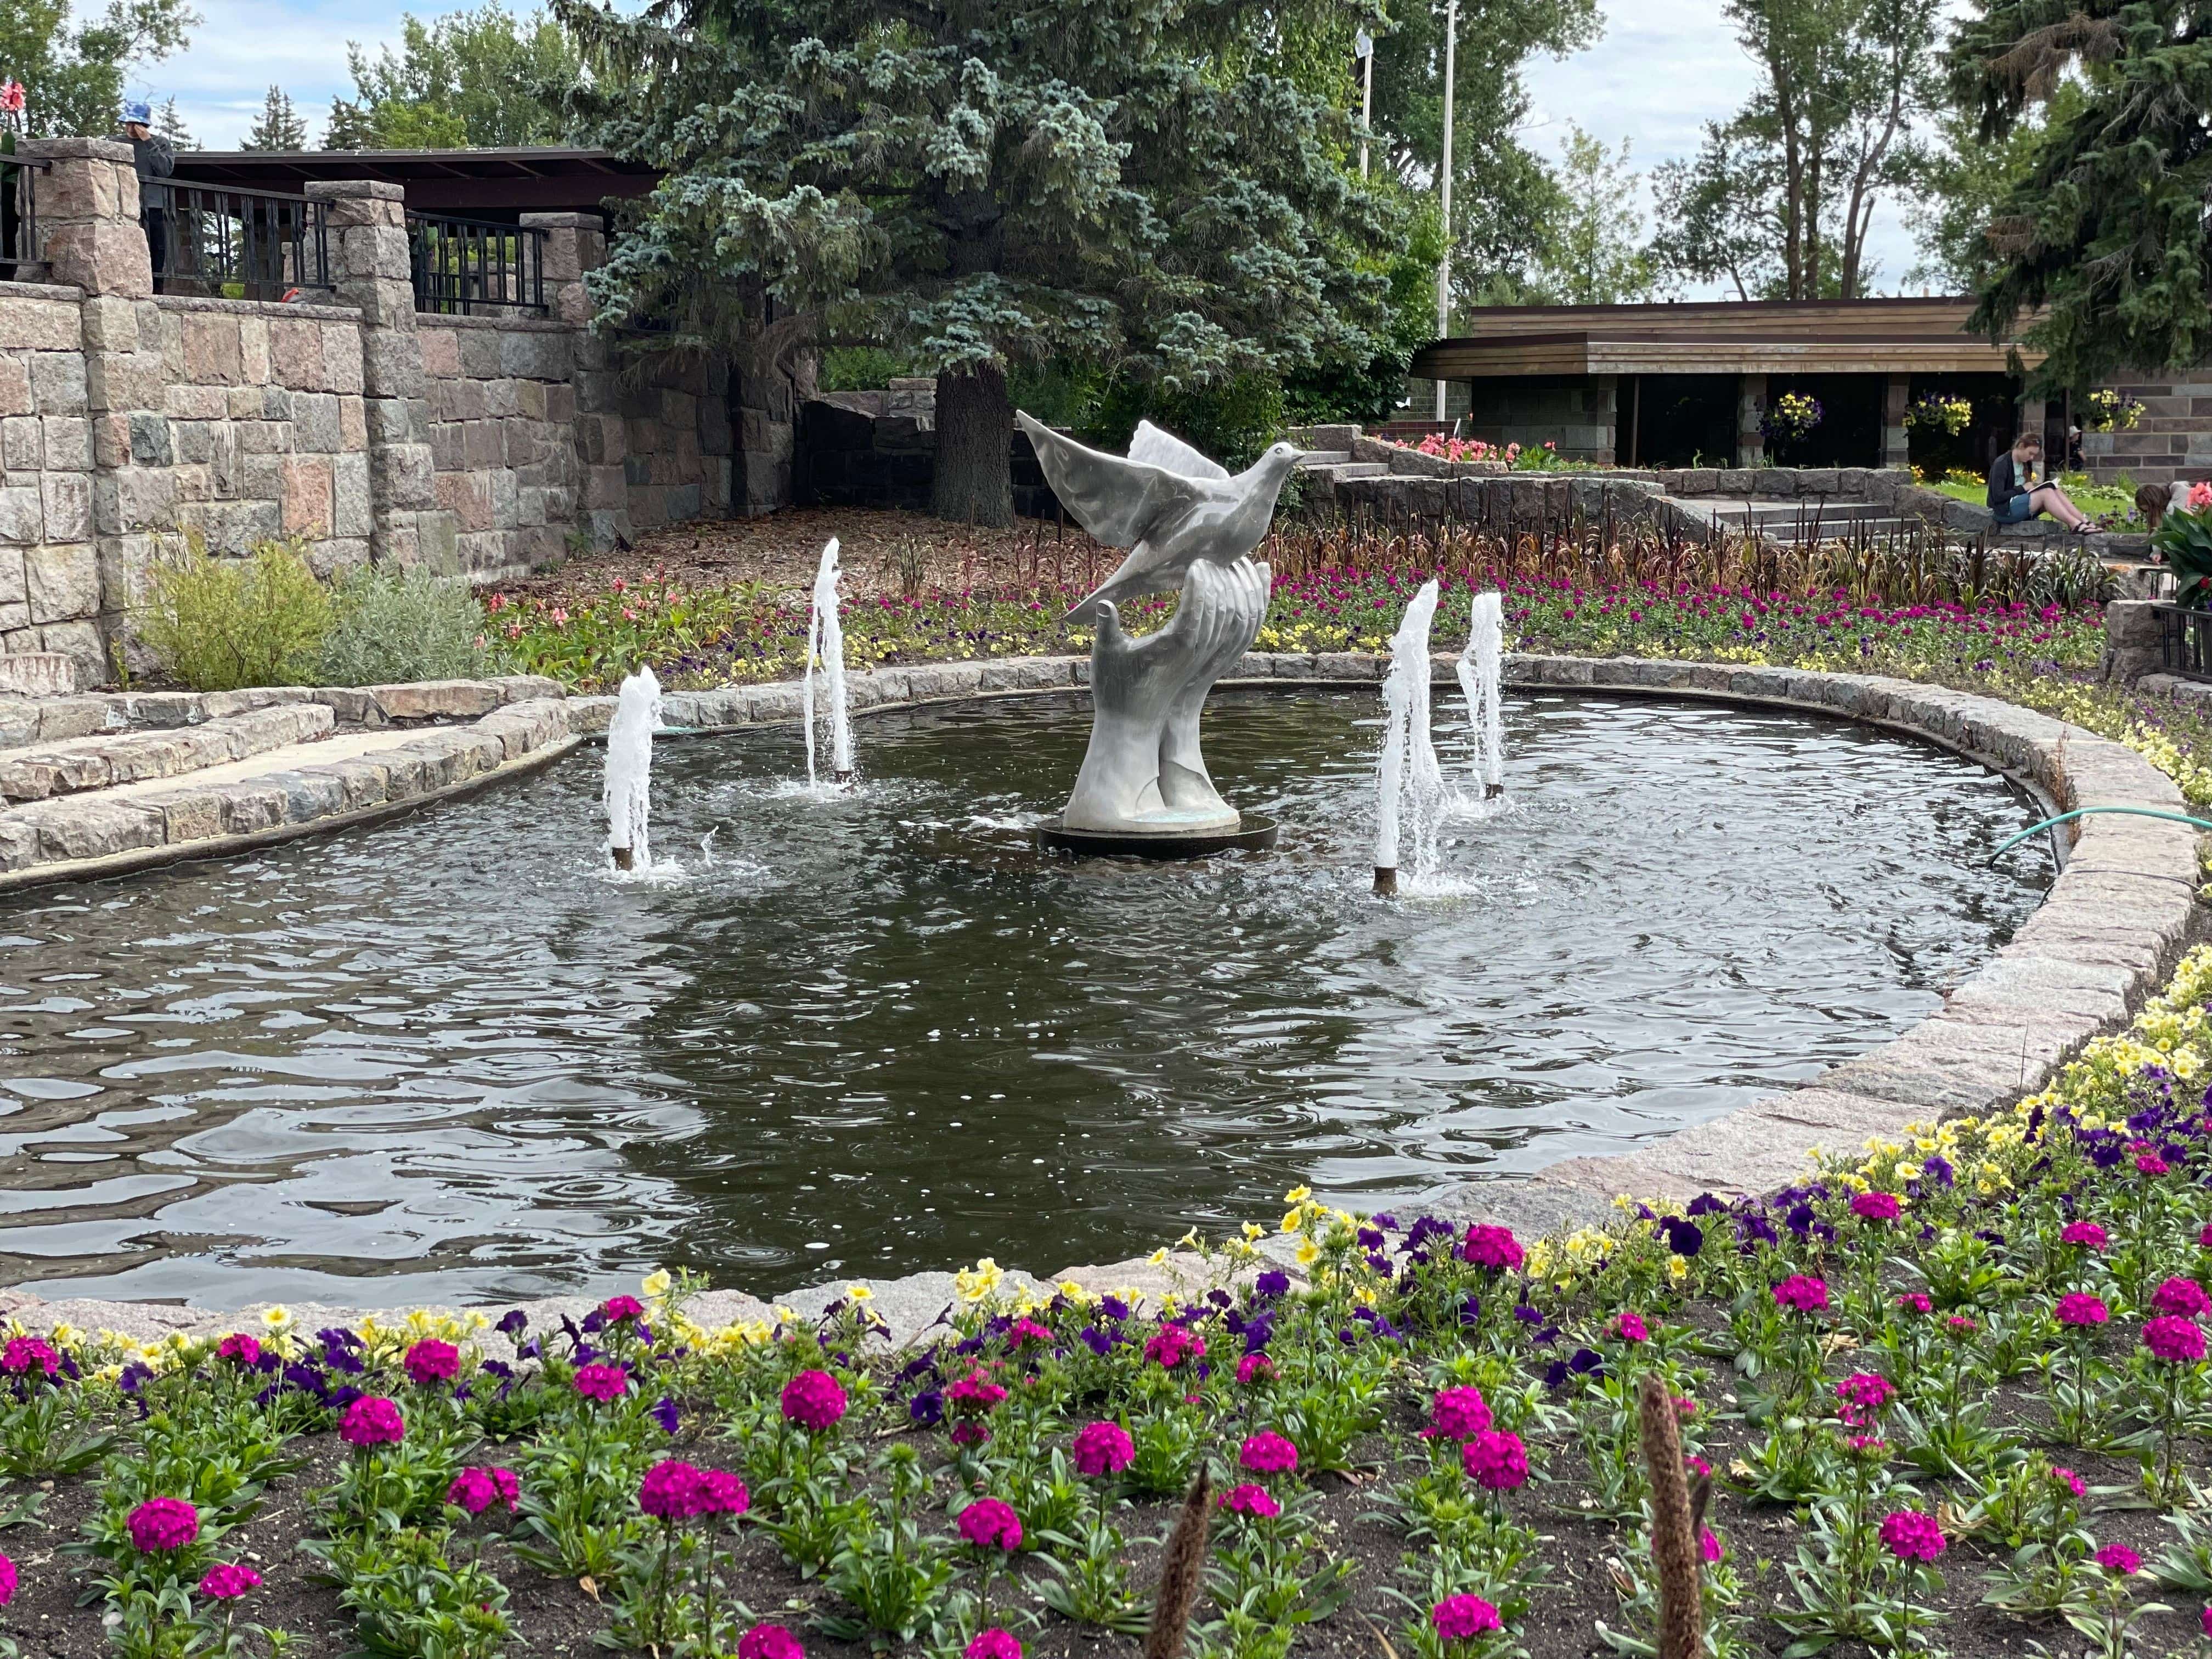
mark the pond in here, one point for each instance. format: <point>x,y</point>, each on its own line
<point>451,1058</point>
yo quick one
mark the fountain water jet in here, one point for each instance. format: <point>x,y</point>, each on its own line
<point>1409,783</point>
<point>1479,669</point>
<point>825,640</point>
<point>627,793</point>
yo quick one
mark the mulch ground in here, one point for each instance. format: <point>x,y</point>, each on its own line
<point>881,551</point>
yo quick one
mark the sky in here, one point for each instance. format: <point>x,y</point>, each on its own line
<point>1662,69</point>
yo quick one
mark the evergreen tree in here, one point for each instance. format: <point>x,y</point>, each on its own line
<point>278,127</point>
<point>169,122</point>
<point>1143,189</point>
<point>2103,236</point>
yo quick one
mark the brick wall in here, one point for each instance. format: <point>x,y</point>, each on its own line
<point>482,446</point>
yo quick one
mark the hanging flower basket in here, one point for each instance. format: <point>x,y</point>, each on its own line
<point>1936,413</point>
<point>2110,412</point>
<point>1790,418</point>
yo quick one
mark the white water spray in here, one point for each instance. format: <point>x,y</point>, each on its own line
<point>825,640</point>
<point>1409,784</point>
<point>1479,667</point>
<point>627,793</point>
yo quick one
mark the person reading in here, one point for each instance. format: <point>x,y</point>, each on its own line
<point>2015,497</point>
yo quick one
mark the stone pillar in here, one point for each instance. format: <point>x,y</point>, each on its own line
<point>109,481</point>
<point>1750,408</point>
<point>2135,642</point>
<point>370,269</point>
<point>1605,418</point>
<point>1896,397</point>
<point>576,243</point>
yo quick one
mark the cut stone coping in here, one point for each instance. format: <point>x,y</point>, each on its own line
<point>2109,932</point>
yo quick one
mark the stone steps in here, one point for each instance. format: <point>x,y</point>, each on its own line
<point>1313,460</point>
<point>74,765</point>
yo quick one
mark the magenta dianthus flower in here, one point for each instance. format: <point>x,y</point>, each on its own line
<point>620,1309</point>
<point>227,1580</point>
<point>1875,1206</point>
<point>975,1392</point>
<point>669,1491</point>
<point>1249,1499</point>
<point>1709,1545</point>
<point>432,1361</point>
<point>814,1401</point>
<point>1863,1394</point>
<point>2118,1559</point>
<point>1102,1449</point>
<point>161,1524</point>
<point>1172,1345</point>
<point>1255,1368</point>
<point>2151,1164</point>
<point>7,1581</point>
<point>990,1523</point>
<point>1268,1453</point>
<point>721,1492</point>
<point>1911,1536</point>
<point>2070,1480</point>
<point>994,1643</point>
<point>1916,1302</point>
<point>1495,1461</point>
<point>1457,1413</point>
<point>24,1354</point>
<point>1462,1617</point>
<point>372,1420</point>
<point>1493,1248</point>
<point>240,1348</point>
<point>1802,1293</point>
<point>769,1642</point>
<point>2178,1341</point>
<point>2087,1234</point>
<point>477,1490</point>
<point>2079,1308</point>
<point>1631,1328</point>
<point>2185,1297</point>
<point>602,1382</point>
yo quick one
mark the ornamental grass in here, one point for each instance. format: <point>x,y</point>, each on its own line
<point>1948,1392</point>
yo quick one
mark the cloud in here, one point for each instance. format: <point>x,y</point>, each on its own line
<point>244,46</point>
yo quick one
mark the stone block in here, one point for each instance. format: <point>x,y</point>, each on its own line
<point>362,782</point>
<point>15,387</point>
<point>437,699</point>
<point>211,349</point>
<point>295,353</point>
<point>19,449</point>
<point>67,497</point>
<point>23,514</point>
<point>57,383</point>
<point>306,496</point>
<point>250,806</point>
<point>187,815</point>
<point>100,257</point>
<point>72,829</point>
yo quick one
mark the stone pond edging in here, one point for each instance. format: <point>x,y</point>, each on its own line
<point>2117,917</point>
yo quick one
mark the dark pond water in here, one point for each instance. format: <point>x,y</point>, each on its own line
<point>448,1059</point>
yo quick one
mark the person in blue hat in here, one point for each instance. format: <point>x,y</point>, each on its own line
<point>157,159</point>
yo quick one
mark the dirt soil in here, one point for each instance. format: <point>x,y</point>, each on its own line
<point>881,550</point>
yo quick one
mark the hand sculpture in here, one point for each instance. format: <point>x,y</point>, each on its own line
<point>1143,771</point>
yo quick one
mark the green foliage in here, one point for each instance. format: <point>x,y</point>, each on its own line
<point>1967,180</point>
<point>278,127</point>
<point>73,72</point>
<point>481,77</point>
<point>387,626</point>
<point>2102,236</point>
<point>1594,255</point>
<point>2185,539</point>
<point>220,625</point>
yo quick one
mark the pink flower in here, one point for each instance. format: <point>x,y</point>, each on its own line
<point>372,1420</point>
<point>1102,1449</point>
<point>2070,1480</point>
<point>994,1643</point>
<point>12,98</point>
<point>24,1354</point>
<point>227,1580</point>
<point>1255,1368</point>
<point>669,1491</point>
<point>432,1361</point>
<point>975,1392</point>
<point>1631,1328</point>
<point>2087,1234</point>
<point>163,1524</point>
<point>602,1382</point>
<point>1462,1617</point>
<point>1916,1302</point>
<point>241,1348</point>
<point>2185,1297</point>
<point>2178,1341</point>
<point>814,1401</point>
<point>1803,1293</point>
<point>1457,1413</point>
<point>721,1492</point>
<point>1493,1248</point>
<point>968,1432</point>
<point>1863,1394</point>
<point>1495,1461</point>
<point>2204,1236</point>
<point>2118,1559</point>
<point>1172,1345</point>
<point>1875,1206</point>
<point>1911,1536</point>
<point>477,1490</point>
<point>769,1642</point>
<point>1708,1547</point>
<point>7,1581</point>
<point>1268,1453</point>
<point>989,1523</point>
<point>2205,1619</point>
<point>1249,1499</point>
<point>2151,1164</point>
<point>619,1310</point>
<point>2079,1308</point>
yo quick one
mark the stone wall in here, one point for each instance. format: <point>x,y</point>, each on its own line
<point>481,446</point>
<point>2172,439</point>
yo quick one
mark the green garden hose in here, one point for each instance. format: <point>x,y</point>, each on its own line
<point>2083,811</point>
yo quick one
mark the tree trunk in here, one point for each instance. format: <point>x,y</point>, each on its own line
<point>975,431</point>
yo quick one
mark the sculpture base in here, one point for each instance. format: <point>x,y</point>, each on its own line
<point>1252,835</point>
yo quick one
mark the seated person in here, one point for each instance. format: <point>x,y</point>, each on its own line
<point>2014,499</point>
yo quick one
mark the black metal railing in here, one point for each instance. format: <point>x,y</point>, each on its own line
<point>19,216</point>
<point>224,243</point>
<point>462,266</point>
<point>2187,640</point>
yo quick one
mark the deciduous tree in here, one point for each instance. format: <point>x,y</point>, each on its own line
<point>473,78</point>
<point>74,73</point>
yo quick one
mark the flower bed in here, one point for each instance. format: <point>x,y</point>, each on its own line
<point>1949,1390</point>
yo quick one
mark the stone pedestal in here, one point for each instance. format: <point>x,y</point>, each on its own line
<point>370,269</point>
<point>2134,641</point>
<point>1750,410</point>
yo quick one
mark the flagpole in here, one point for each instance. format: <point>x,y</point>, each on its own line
<point>1444,269</point>
<point>1364,48</point>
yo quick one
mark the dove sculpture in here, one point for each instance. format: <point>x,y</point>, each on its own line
<point>1165,502</point>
